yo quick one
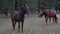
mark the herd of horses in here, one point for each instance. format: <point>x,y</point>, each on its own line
<point>18,16</point>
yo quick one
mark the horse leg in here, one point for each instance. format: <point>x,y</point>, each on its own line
<point>46,18</point>
<point>53,19</point>
<point>13,25</point>
<point>18,26</point>
<point>6,14</point>
<point>49,19</point>
<point>22,25</point>
<point>56,19</point>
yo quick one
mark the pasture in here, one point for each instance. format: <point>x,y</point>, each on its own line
<point>32,25</point>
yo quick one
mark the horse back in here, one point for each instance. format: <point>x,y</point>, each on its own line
<point>49,12</point>
<point>53,12</point>
<point>16,16</point>
<point>46,12</point>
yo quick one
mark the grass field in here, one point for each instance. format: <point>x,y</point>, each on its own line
<point>32,25</point>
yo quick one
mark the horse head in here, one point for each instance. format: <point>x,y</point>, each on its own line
<point>25,9</point>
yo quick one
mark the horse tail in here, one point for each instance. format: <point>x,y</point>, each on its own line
<point>11,14</point>
<point>41,14</point>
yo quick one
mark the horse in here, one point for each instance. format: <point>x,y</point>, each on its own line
<point>5,11</point>
<point>49,13</point>
<point>18,16</point>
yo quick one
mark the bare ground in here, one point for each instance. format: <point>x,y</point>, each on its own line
<point>32,25</point>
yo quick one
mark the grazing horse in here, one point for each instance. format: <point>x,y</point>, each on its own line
<point>5,11</point>
<point>18,16</point>
<point>49,13</point>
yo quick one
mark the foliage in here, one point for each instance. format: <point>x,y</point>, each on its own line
<point>10,4</point>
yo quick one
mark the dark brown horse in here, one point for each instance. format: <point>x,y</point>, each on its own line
<point>18,16</point>
<point>49,13</point>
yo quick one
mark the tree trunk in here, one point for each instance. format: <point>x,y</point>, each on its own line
<point>39,3</point>
<point>16,5</point>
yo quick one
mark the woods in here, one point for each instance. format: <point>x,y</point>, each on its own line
<point>34,5</point>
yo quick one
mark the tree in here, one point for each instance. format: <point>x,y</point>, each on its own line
<point>16,5</point>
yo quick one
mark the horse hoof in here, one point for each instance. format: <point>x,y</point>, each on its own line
<point>46,24</point>
<point>13,29</point>
<point>22,31</point>
<point>56,23</point>
<point>18,30</point>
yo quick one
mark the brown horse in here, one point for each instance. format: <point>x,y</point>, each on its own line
<point>18,16</point>
<point>49,13</point>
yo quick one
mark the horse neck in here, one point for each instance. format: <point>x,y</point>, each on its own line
<point>22,14</point>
